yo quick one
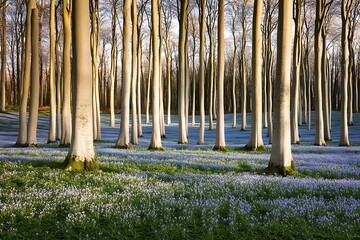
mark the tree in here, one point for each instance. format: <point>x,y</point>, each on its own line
<point>220,131</point>
<point>65,111</point>
<point>155,143</point>
<point>3,58</point>
<point>113,63</point>
<point>35,84</point>
<point>256,142</point>
<point>345,11</point>
<point>281,158</point>
<point>95,42</point>
<point>25,85</point>
<point>134,68</point>
<point>234,12</point>
<point>295,137</point>
<point>52,123</point>
<point>81,155</point>
<point>322,7</point>
<point>124,139</point>
<point>243,64</point>
<point>201,6</point>
<point>182,138</point>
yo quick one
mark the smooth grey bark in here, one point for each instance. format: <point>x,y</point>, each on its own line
<point>52,119</point>
<point>65,111</point>
<point>35,83</point>
<point>3,59</point>
<point>344,132</point>
<point>134,69</point>
<point>295,137</point>
<point>155,143</point>
<point>220,125</point>
<point>321,11</point>
<point>256,141</point>
<point>113,65</point>
<point>281,160</point>
<point>201,6</point>
<point>124,138</point>
<point>95,43</point>
<point>25,85</point>
<point>182,138</point>
<point>81,154</point>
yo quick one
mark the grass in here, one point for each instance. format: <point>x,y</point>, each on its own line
<point>181,194</point>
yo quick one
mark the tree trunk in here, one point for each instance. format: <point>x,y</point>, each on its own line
<point>281,158</point>
<point>134,68</point>
<point>3,60</point>
<point>112,67</point>
<point>256,141</point>
<point>155,143</point>
<point>295,138</point>
<point>139,67</point>
<point>344,133</point>
<point>81,155</point>
<point>66,112</point>
<point>202,73</point>
<point>220,128</point>
<point>319,132</point>
<point>182,138</point>
<point>52,122</point>
<point>325,95</point>
<point>124,138</point>
<point>25,85</point>
<point>35,84</point>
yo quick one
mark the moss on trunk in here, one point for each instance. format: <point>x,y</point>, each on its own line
<point>127,146</point>
<point>81,164</point>
<point>281,170</point>
<point>156,149</point>
<point>221,148</point>
<point>261,148</point>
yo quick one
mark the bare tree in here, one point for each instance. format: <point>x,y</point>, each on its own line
<point>81,154</point>
<point>35,84</point>
<point>124,139</point>
<point>202,9</point>
<point>182,139</point>
<point>65,111</point>
<point>345,12</point>
<point>322,8</point>
<point>281,160</point>
<point>134,68</point>
<point>52,122</point>
<point>220,128</point>
<point>255,141</point>
<point>155,143</point>
<point>3,58</point>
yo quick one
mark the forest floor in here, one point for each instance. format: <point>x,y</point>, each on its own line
<point>186,192</point>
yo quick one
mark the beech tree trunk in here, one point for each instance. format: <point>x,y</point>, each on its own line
<point>124,138</point>
<point>182,138</point>
<point>344,132</point>
<point>220,126</point>
<point>256,141</point>
<point>113,66</point>
<point>281,160</point>
<point>35,84</point>
<point>81,154</point>
<point>295,137</point>
<point>134,81</point>
<point>155,143</point>
<point>3,60</point>
<point>52,122</point>
<point>65,111</point>
<point>201,5</point>
<point>25,85</point>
